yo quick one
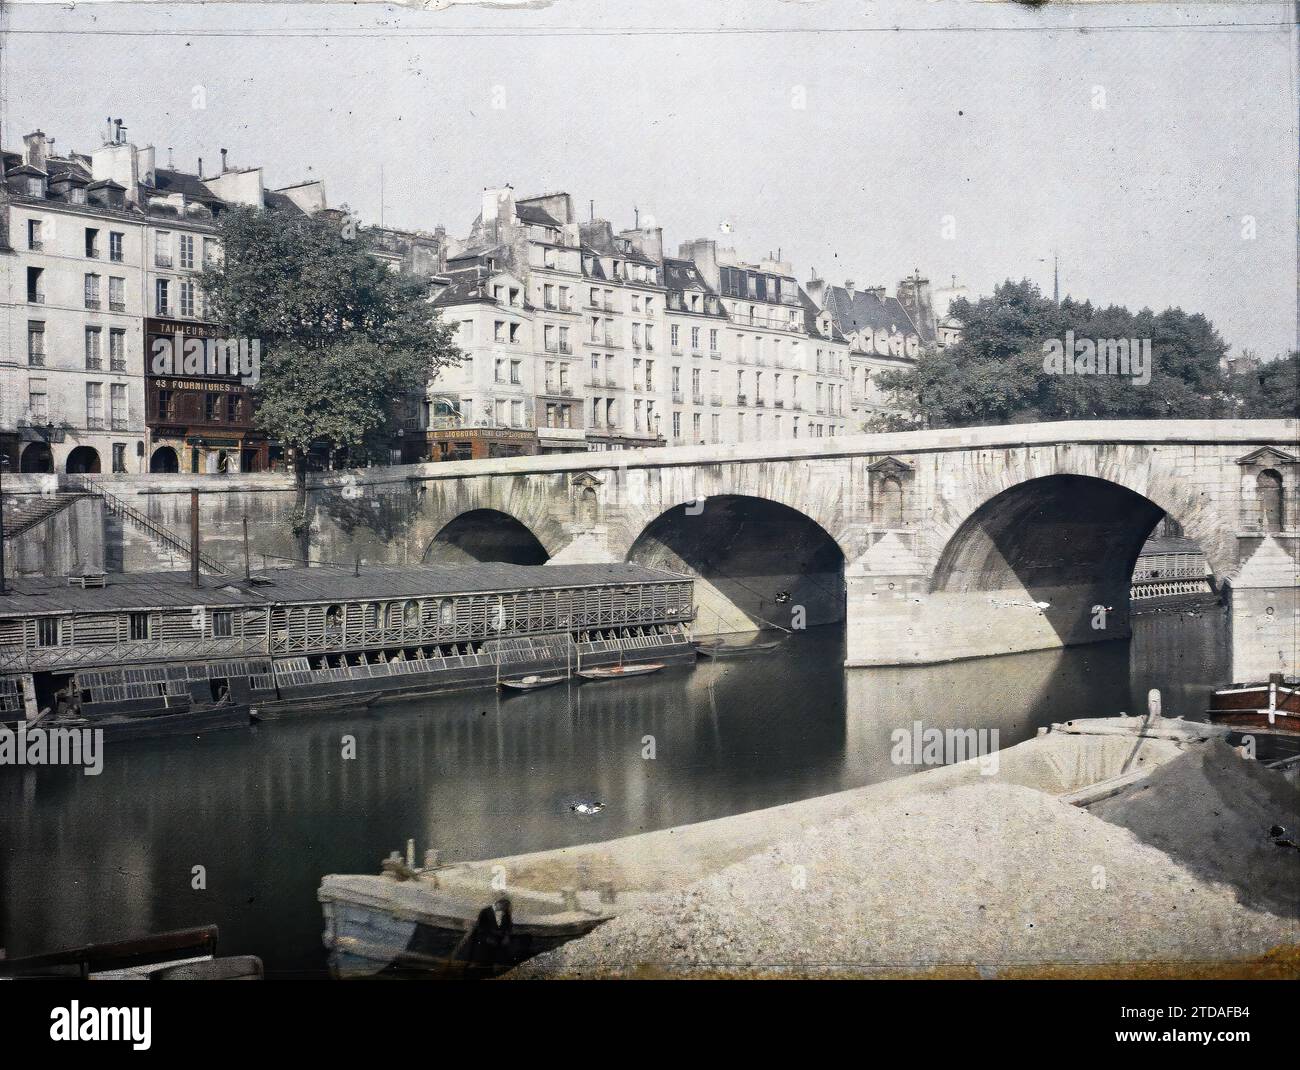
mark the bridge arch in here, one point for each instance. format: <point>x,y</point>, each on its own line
<point>485,535</point>
<point>758,563</point>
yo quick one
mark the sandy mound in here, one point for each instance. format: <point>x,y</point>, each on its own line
<point>1216,815</point>
<point>986,874</point>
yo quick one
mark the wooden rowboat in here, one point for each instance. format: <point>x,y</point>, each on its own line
<point>531,683</point>
<point>617,672</point>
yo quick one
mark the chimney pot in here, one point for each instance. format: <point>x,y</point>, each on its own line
<point>223,161</point>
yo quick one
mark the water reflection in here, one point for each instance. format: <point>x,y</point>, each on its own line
<point>267,811</point>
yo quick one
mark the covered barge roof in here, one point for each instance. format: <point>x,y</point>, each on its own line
<point>172,590</point>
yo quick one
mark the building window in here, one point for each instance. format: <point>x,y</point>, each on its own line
<point>34,234</point>
<point>233,408</point>
<point>95,406</point>
<point>116,294</point>
<point>117,350</point>
<point>515,367</point>
<point>94,357</point>
<point>36,344</point>
<point>222,624</point>
<point>187,298</point>
<point>162,256</point>
<point>35,286</point>
<point>47,631</point>
<point>37,401</point>
<point>92,291</point>
<point>140,626</point>
<point>92,243</point>
<point>212,408</point>
<point>164,402</point>
<point>119,456</point>
<point>117,406</point>
<point>210,246</point>
<point>115,246</point>
<point>162,297</point>
<point>187,250</point>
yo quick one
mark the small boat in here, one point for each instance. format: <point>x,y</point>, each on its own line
<point>183,954</point>
<point>186,722</point>
<point>1274,705</point>
<point>531,683</point>
<point>731,650</point>
<point>446,921</point>
<point>617,672</point>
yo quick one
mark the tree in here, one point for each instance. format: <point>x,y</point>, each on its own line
<point>996,372</point>
<point>1272,388</point>
<point>342,337</point>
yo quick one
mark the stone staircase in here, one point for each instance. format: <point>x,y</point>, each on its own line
<point>170,550</point>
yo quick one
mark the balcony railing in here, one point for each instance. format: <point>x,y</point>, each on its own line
<point>697,399</point>
<point>92,302</point>
<point>715,399</point>
<point>759,403</point>
<point>117,306</point>
<point>741,399</point>
<point>162,260</point>
<point>35,298</point>
<point>677,397</point>
<point>797,406</point>
<point>35,244</point>
<point>94,364</point>
<point>715,354</point>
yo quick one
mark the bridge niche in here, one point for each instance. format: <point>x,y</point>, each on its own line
<point>758,564</point>
<point>1048,562</point>
<point>485,535</point>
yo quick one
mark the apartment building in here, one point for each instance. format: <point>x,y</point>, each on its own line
<point>99,265</point>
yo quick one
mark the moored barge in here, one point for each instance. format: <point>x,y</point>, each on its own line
<point>1273,705</point>
<point>151,645</point>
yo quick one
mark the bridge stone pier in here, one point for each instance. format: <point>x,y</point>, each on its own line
<point>931,545</point>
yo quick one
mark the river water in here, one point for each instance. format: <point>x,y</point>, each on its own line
<point>268,810</point>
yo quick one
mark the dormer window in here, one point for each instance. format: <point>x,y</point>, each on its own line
<point>35,186</point>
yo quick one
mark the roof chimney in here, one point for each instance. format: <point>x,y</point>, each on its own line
<point>850,286</point>
<point>37,148</point>
<point>223,161</point>
<point>200,167</point>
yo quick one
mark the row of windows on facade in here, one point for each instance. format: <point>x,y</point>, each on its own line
<point>557,339</point>
<point>165,245</point>
<point>38,405</point>
<point>829,397</point>
<point>190,299</point>
<point>605,415</point>
<point>218,406</point>
<point>94,349</point>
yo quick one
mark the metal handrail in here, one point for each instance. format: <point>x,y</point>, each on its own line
<point>167,537</point>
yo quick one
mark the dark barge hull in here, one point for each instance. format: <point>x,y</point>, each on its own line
<point>1274,706</point>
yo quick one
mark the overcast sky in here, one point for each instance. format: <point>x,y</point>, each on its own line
<point>983,113</point>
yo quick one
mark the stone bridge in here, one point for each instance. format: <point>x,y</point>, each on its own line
<point>933,545</point>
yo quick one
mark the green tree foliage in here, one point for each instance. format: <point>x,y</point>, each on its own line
<point>342,337</point>
<point>1270,389</point>
<point>995,374</point>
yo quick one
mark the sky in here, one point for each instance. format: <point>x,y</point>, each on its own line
<point>1151,146</point>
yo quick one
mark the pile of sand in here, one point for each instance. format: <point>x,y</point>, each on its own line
<point>1223,819</point>
<point>983,875</point>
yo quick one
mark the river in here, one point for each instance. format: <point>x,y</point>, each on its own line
<point>266,811</point>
